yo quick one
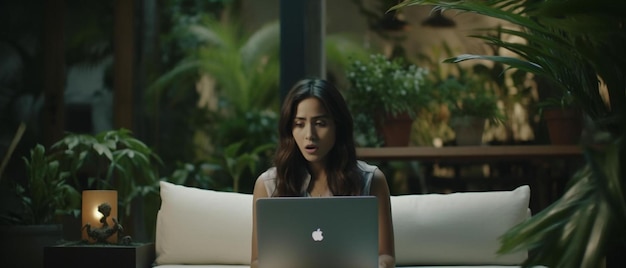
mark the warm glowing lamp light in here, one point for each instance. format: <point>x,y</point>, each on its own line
<point>93,213</point>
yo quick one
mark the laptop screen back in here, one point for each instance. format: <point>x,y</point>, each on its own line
<point>317,232</point>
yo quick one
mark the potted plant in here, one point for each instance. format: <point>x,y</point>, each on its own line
<point>471,104</point>
<point>112,160</point>
<point>579,48</point>
<point>46,194</point>
<point>384,91</point>
<point>35,222</point>
<point>109,160</point>
<point>563,119</point>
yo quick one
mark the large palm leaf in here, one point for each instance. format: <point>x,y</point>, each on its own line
<point>576,230</point>
<point>579,47</point>
<point>245,67</point>
<point>570,42</point>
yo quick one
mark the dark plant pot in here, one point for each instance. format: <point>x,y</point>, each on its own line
<point>468,129</point>
<point>564,125</point>
<point>396,131</point>
<point>22,245</point>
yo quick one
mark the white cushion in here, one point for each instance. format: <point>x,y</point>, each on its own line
<point>196,226</point>
<point>458,228</point>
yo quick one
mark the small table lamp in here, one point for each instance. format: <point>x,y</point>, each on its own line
<point>99,216</point>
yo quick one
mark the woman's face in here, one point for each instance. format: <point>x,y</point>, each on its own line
<point>313,130</point>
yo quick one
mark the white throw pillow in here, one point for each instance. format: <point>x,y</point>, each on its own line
<point>458,228</point>
<point>196,226</point>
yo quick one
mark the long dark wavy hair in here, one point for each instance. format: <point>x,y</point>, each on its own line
<point>341,163</point>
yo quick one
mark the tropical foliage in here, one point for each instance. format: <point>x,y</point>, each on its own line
<point>578,47</point>
<point>387,86</point>
<point>466,93</point>
<point>109,160</point>
<point>381,87</point>
<point>226,88</point>
<point>46,194</point>
<point>245,67</point>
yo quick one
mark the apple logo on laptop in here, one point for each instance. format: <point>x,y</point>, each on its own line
<point>317,235</point>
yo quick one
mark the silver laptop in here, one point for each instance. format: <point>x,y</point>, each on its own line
<point>307,232</point>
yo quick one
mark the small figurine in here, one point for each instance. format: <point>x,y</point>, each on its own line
<point>103,233</point>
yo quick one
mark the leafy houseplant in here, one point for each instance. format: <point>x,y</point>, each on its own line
<point>222,91</point>
<point>578,48</point>
<point>470,102</point>
<point>226,74</point>
<point>383,88</point>
<point>46,193</point>
<point>113,160</point>
<point>224,172</point>
<point>469,95</point>
<point>35,221</point>
<point>497,90</point>
<point>109,160</point>
<point>563,118</point>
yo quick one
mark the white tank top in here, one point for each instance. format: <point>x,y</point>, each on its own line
<point>367,173</point>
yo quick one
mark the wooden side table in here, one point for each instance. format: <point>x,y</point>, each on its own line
<point>77,255</point>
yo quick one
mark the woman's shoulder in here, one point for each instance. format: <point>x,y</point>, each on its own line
<point>368,174</point>
<point>268,175</point>
<point>268,179</point>
<point>365,167</point>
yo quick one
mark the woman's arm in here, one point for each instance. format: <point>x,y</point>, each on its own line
<point>259,191</point>
<point>386,251</point>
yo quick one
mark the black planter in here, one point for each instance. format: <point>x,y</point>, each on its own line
<point>22,245</point>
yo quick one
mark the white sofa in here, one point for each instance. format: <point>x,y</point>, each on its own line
<point>203,228</point>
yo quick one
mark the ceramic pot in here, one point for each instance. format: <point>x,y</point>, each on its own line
<point>564,125</point>
<point>23,245</point>
<point>468,129</point>
<point>395,130</point>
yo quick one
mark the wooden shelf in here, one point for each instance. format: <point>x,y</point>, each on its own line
<point>470,153</point>
<point>536,169</point>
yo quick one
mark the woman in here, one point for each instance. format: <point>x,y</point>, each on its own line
<point>316,157</point>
